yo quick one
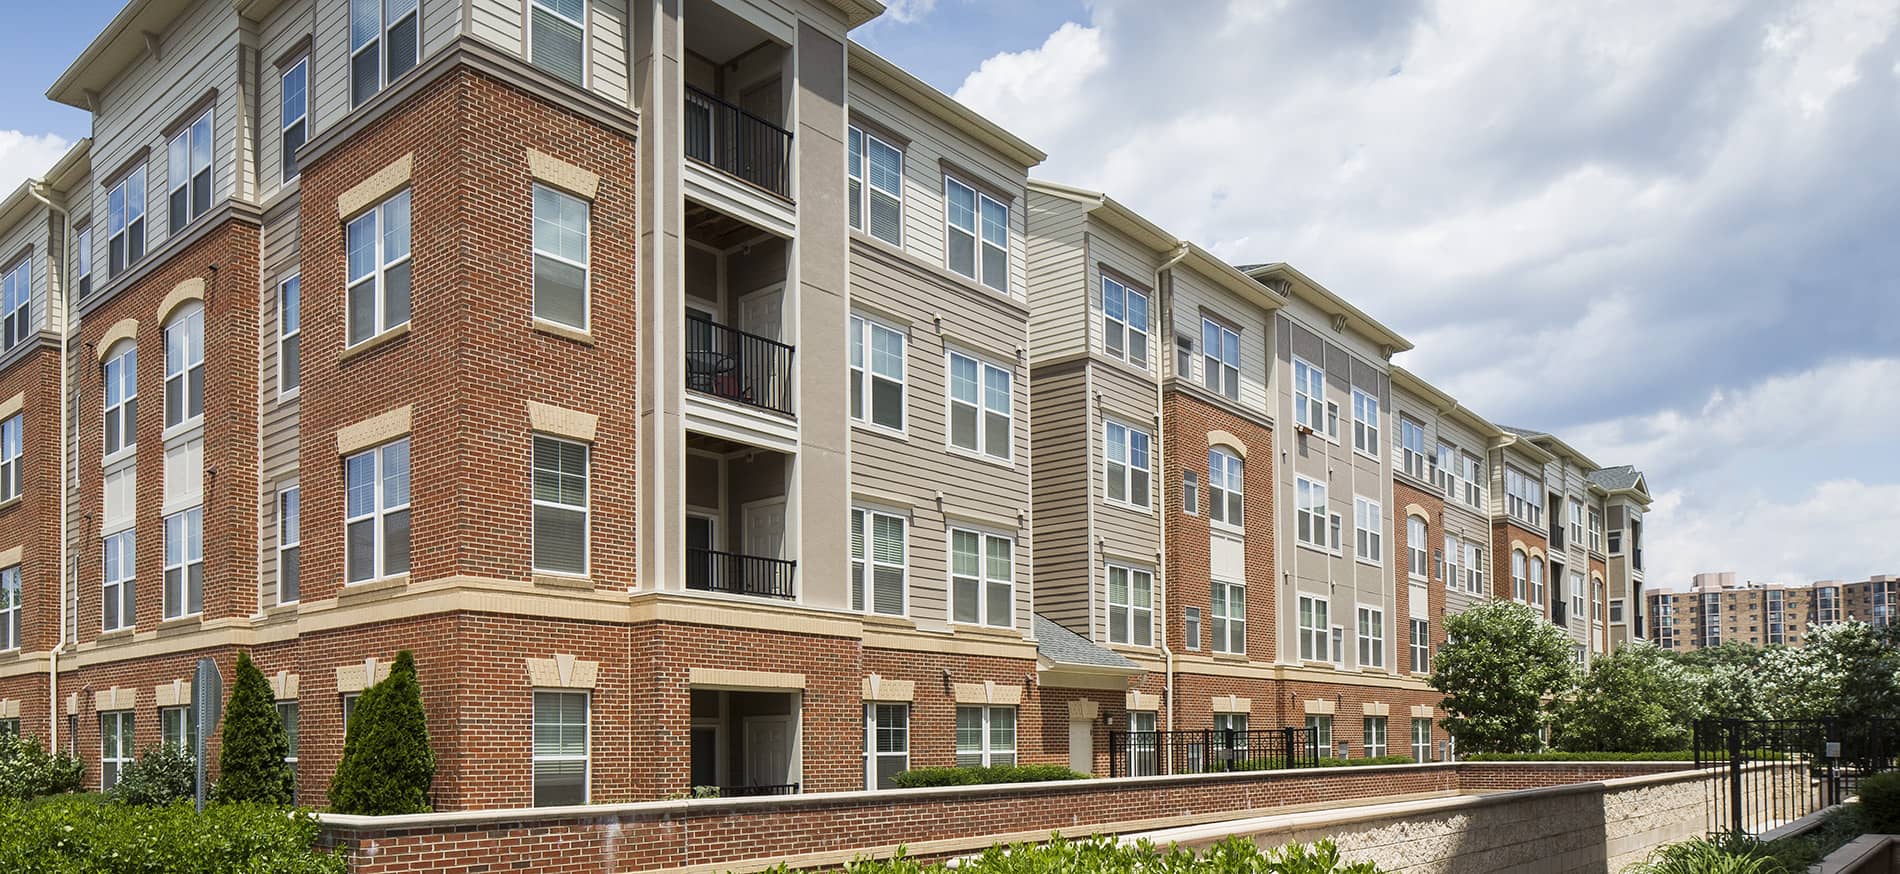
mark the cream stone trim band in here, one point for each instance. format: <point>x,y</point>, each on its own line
<point>1420,512</point>
<point>115,698</point>
<point>123,329</point>
<point>1143,701</point>
<point>1084,711</point>
<point>1231,704</point>
<point>172,694</point>
<point>562,422</point>
<point>9,708</point>
<point>374,432</point>
<point>379,185</point>
<point>283,687</point>
<point>876,688</point>
<point>561,174</point>
<point>1222,438</point>
<point>1422,711</point>
<point>742,680</point>
<point>356,678</point>
<point>12,405</point>
<point>1376,708</point>
<point>189,290</point>
<point>11,556</point>
<point>564,671</point>
<point>1320,707</point>
<point>987,692</point>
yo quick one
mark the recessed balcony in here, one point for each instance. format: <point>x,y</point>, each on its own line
<point>737,534</point>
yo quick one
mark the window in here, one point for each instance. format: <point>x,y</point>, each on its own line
<point>1448,564</point>
<point>1310,512</point>
<point>560,748</point>
<point>1375,736</point>
<point>296,113</point>
<point>188,174</point>
<point>184,563</point>
<point>560,506</point>
<point>1131,605</point>
<point>385,43</point>
<point>1445,471</point>
<point>287,713</point>
<point>289,336</point>
<point>178,728</point>
<point>1419,561</point>
<point>1474,568</point>
<point>1220,358</point>
<point>561,228</point>
<point>1827,604</point>
<point>1616,542</point>
<point>1576,595</point>
<point>1313,629</point>
<point>1421,646</point>
<point>877,554</point>
<point>886,744</point>
<point>115,746</point>
<point>1230,616</point>
<point>1473,476</point>
<point>1421,740</point>
<point>1124,322</point>
<point>1519,587</point>
<point>116,596</point>
<point>1371,638</point>
<point>1320,731</point>
<point>349,710</point>
<point>125,222</point>
<point>18,302</point>
<point>1522,496</point>
<point>1127,464</point>
<point>1190,492</point>
<point>877,391</point>
<point>557,33</point>
<point>1309,396</point>
<point>883,198</point>
<point>1596,530</point>
<point>376,527</point>
<point>1143,756</point>
<point>1537,580</point>
<point>289,539</point>
<point>1224,488</point>
<point>982,568</point>
<point>11,449</point>
<point>121,399</point>
<point>379,268</point>
<point>964,210</point>
<point>185,367</point>
<point>1596,602</point>
<point>82,262</point>
<point>10,625</point>
<point>1412,449</point>
<point>1183,356</point>
<point>980,402</point>
<point>1616,610</point>
<point>986,736</point>
<point>1335,523</point>
<point>1365,422</point>
<point>1575,511</point>
<point>1367,523</point>
<point>1191,627</point>
<point>1234,722</point>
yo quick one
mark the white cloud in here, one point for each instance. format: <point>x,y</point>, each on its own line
<point>1839,530</point>
<point>907,11</point>
<point>23,156</point>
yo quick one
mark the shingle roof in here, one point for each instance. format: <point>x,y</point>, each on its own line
<point>1524,432</point>
<point>1623,476</point>
<point>1065,647</point>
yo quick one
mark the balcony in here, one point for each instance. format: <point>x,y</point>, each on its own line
<point>709,570</point>
<point>737,536</point>
<point>1559,615</point>
<point>742,145</point>
<point>734,365</point>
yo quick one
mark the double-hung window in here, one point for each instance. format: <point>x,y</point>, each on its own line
<point>875,186</point>
<point>11,450</point>
<point>1314,629</point>
<point>115,746</point>
<point>877,562</point>
<point>1523,497</point>
<point>886,744</point>
<point>82,263</point>
<point>980,401</point>
<point>10,624</point>
<point>1537,581</point>
<point>1520,588</point>
<point>560,748</point>
<point>1319,731</point>
<point>877,374</point>
<point>1365,423</point>
<point>1472,472</point>
<point>1575,511</point>
<point>188,174</point>
<point>1190,492</point>
<point>121,372</point>
<point>986,736</point>
<point>1421,740</point>
<point>116,598</point>
<point>1131,617</point>
<point>1474,568</point>
<point>1224,489</point>
<point>385,43</point>
<point>1309,396</point>
<point>560,506</point>
<point>178,728</point>
<point>376,511</point>
<point>125,222</point>
<point>976,228</point>
<point>1220,359</point>
<point>561,232</point>
<point>289,335</point>
<point>1412,448</point>
<point>1421,646</point>
<point>1596,602</point>
<point>1576,595</point>
<point>1375,736</point>
<point>289,542</point>
<point>1371,637</point>
<point>1124,322</point>
<point>379,269</point>
<point>1418,552</point>
<point>982,574</point>
<point>1127,464</point>
<point>1596,530</point>
<point>18,302</point>
<point>557,36</point>
<point>1368,525</point>
<point>184,563</point>
<point>1309,502</point>
<point>296,113</point>
<point>185,368</point>
<point>1229,615</point>
<point>287,714</point>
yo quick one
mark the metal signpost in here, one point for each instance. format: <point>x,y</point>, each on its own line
<point>207,704</point>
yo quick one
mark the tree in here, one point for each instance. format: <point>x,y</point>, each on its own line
<point>1502,662</point>
<point>1849,670</point>
<point>251,764</point>
<point>1634,700</point>
<point>387,765</point>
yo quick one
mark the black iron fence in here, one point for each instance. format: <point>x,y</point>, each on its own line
<point>756,791</point>
<point>1774,771</point>
<point>709,570</point>
<point>738,143</point>
<point>1209,751</point>
<point>737,366</point>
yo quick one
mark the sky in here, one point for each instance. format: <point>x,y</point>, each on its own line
<point>1665,232</point>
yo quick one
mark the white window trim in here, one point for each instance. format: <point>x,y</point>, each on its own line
<point>983,368</point>
<point>1418,564</point>
<point>126,753</point>
<point>284,544</point>
<point>378,276</point>
<point>1223,637</point>
<point>1412,460</point>
<point>871,753</point>
<point>1366,439</point>
<point>1217,357</point>
<point>1474,567</point>
<point>184,565</point>
<point>12,457</point>
<point>185,318</point>
<point>1420,648</point>
<point>1304,632</point>
<point>20,281</point>
<point>1132,622</point>
<point>1320,526</point>
<point>586,509</point>
<point>1377,638</point>
<point>1123,326</point>
<point>124,189</point>
<point>987,751</point>
<point>983,579</point>
<point>1190,493</point>
<point>977,242</point>
<point>380,45</point>
<point>586,758</point>
<point>1520,576</point>
<point>379,514</point>
<point>286,122</point>
<point>1373,551</point>
<point>1309,409</point>
<point>527,35</point>
<point>191,174</point>
<point>11,624</point>
<point>866,139</point>
<point>128,430</point>
<point>1128,466</point>
<point>535,251</point>
<point>871,563</point>
<point>1217,489</point>
<point>128,576</point>
<point>284,337</point>
<point>865,329</point>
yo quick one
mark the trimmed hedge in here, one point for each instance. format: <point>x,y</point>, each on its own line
<point>1880,802</point>
<point>1669,756</point>
<point>1106,854</point>
<point>87,834</point>
<point>977,776</point>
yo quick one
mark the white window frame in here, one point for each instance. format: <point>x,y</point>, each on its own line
<point>985,583</point>
<point>11,605</point>
<point>1371,636</point>
<point>562,200</point>
<point>1365,423</point>
<point>527,29</point>
<point>289,310</point>
<point>1191,627</point>
<point>538,758</point>
<point>584,508</point>
<point>184,553</point>
<point>1474,568</point>
<point>378,219</point>
<point>1576,595</point>
<point>113,762</point>
<point>380,44</point>
<point>1135,626</point>
<point>123,363</point>
<point>17,301</point>
<point>1471,471</point>
<point>178,728</point>
<point>981,407</point>
<point>1523,495</point>
<point>1132,353</point>
<point>989,754</point>
<point>1319,728</point>
<point>1421,741</point>
<point>289,538</point>
<point>82,262</point>
<point>1418,554</point>
<point>1368,530</point>
<point>1412,458</point>
<point>1520,576</point>
<point>184,145</point>
<point>287,164</point>
<point>1309,395</point>
<point>12,451</point>
<point>1573,508</point>
<point>865,601</point>
<point>1375,742</point>
<point>982,248</point>
<point>118,579</point>
<point>1129,469</point>
<point>864,370</point>
<point>1226,483</point>
<point>1190,493</point>
<point>1228,615</point>
<point>126,231</point>
<point>862,188</point>
<point>1448,568</point>
<point>1444,470</point>
<point>185,370</point>
<point>1310,513</point>
<point>1537,582</point>
<point>1220,359</point>
<point>380,511</point>
<point>1421,646</point>
<point>873,750</point>
<point>1596,601</point>
<point>1314,623</point>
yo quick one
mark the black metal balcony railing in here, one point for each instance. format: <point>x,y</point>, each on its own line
<point>1558,614</point>
<point>732,364</point>
<point>1636,559</point>
<point>1557,537</point>
<point>1209,751</point>
<point>738,143</point>
<point>709,570</point>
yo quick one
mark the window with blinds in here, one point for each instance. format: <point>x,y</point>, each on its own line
<point>877,562</point>
<point>557,31</point>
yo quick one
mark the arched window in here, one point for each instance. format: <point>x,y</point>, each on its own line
<point>1537,580</point>
<point>1415,548</point>
<point>1518,587</point>
<point>185,366</point>
<point>1224,488</point>
<point>121,372</point>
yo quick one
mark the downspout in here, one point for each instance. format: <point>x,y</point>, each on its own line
<point>1161,482</point>
<point>65,409</point>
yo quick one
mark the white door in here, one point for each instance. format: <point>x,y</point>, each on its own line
<point>1082,746</point>
<point>764,528</point>
<point>768,750</point>
<point>760,313</point>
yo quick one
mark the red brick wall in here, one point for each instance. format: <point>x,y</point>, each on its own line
<point>31,521</point>
<point>1188,419</point>
<point>1405,494</point>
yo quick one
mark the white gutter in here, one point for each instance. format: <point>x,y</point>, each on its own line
<point>1161,488</point>
<point>59,646</point>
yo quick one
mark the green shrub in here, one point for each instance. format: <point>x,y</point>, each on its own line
<point>251,763</point>
<point>919,777</point>
<point>1837,828</point>
<point>1880,803</point>
<point>1665,756</point>
<point>162,775</point>
<point>83,834</point>
<point>1106,854</point>
<point>1736,854</point>
<point>1375,760</point>
<point>387,765</point>
<point>28,771</point>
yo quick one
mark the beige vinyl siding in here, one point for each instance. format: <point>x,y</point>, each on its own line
<point>278,420</point>
<point>501,23</point>
<point>920,466</point>
<point>1194,294</point>
<point>1058,279</point>
<point>30,239</point>
<point>1064,449</point>
<point>1137,265</point>
<point>330,55</point>
<point>291,23</point>
<point>1125,532</point>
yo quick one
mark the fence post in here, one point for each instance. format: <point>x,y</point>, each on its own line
<point>1286,736</point>
<point>1734,729</point>
<point>1831,749</point>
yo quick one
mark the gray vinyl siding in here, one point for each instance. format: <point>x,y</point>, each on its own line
<point>1058,281</point>
<point>1063,450</point>
<point>291,23</point>
<point>1193,295</point>
<point>30,239</point>
<point>501,23</point>
<point>1137,265</point>
<point>278,417</point>
<point>330,55</point>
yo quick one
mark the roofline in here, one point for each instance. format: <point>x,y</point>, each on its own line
<point>1559,447</point>
<point>77,159</point>
<point>1114,212</point>
<point>1335,305</point>
<point>19,205</point>
<point>1448,405</point>
<point>1229,277</point>
<point>857,12</point>
<point>945,107</point>
<point>61,89</point>
<point>1539,453</point>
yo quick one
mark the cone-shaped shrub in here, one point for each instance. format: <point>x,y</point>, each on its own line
<point>251,763</point>
<point>387,764</point>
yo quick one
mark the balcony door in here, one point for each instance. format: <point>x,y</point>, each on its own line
<point>760,313</point>
<point>764,523</point>
<point>768,750</point>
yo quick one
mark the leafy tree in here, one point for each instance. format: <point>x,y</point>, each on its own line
<point>1849,670</point>
<point>1503,661</point>
<point>28,771</point>
<point>163,774</point>
<point>387,765</point>
<point>251,764</point>
<point>1636,699</point>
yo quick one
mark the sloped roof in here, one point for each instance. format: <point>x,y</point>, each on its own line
<point>1623,476</point>
<point>1064,647</point>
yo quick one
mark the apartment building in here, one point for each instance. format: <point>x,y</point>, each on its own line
<point>1717,609</point>
<point>707,402</point>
